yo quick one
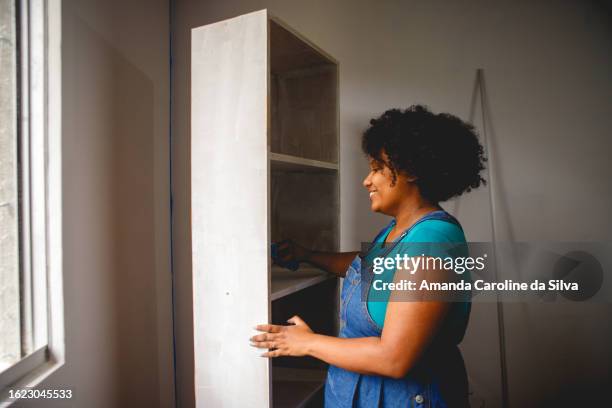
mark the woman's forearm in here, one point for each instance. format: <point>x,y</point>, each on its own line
<point>364,355</point>
<point>334,262</point>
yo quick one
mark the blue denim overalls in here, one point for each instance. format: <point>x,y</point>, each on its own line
<point>345,388</point>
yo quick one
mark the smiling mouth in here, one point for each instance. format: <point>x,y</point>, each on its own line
<point>372,193</point>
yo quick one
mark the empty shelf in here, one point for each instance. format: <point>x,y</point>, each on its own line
<point>294,387</point>
<point>286,282</point>
<point>286,162</point>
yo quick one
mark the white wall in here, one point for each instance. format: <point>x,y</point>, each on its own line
<point>117,282</point>
<point>547,66</point>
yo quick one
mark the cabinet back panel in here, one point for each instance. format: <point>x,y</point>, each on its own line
<point>289,51</point>
<point>304,97</point>
<point>304,208</point>
<point>304,113</point>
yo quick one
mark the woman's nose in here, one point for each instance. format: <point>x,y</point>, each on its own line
<point>366,181</point>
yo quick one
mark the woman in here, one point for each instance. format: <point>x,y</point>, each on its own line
<point>394,353</point>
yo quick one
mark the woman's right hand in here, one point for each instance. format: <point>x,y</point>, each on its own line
<point>289,251</point>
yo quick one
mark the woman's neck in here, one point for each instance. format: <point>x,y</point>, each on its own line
<point>411,212</point>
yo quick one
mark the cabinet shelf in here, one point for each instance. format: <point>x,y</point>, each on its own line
<point>295,387</point>
<point>286,282</point>
<point>290,163</point>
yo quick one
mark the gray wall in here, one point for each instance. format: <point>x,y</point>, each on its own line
<point>117,282</point>
<point>547,68</point>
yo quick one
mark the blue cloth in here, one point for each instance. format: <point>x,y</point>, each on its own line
<point>437,381</point>
<point>292,265</point>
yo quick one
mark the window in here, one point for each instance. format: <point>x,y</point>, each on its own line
<point>31,305</point>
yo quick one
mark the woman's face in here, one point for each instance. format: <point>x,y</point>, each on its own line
<point>386,197</point>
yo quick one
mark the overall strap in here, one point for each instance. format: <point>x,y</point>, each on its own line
<point>380,234</point>
<point>384,230</point>
<point>440,215</point>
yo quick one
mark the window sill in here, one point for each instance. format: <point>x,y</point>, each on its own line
<point>27,374</point>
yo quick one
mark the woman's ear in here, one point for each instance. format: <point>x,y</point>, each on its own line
<point>408,177</point>
<point>403,177</point>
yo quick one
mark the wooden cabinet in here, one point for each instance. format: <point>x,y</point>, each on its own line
<point>264,167</point>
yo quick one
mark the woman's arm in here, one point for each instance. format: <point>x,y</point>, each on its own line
<point>334,262</point>
<point>409,328</point>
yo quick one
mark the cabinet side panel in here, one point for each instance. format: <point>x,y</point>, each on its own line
<point>229,210</point>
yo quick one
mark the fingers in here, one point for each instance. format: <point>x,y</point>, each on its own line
<point>284,244</point>
<point>267,341</point>
<point>264,337</point>
<point>272,338</point>
<point>286,252</point>
<point>297,320</point>
<point>270,328</point>
<point>286,247</point>
<point>276,353</point>
<point>286,257</point>
<point>265,344</point>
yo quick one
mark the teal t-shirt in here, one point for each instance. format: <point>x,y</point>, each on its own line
<point>428,231</point>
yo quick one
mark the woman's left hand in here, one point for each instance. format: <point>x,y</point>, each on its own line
<point>290,340</point>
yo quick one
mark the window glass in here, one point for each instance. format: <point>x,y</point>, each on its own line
<point>10,326</point>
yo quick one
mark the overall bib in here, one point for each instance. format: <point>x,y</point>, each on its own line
<point>421,386</point>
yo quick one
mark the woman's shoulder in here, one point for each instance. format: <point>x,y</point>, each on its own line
<point>436,231</point>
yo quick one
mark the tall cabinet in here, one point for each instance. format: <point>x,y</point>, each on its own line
<point>264,167</point>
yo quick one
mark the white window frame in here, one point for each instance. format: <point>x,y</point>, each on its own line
<point>39,68</point>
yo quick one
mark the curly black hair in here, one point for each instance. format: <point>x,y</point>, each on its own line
<point>440,150</point>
